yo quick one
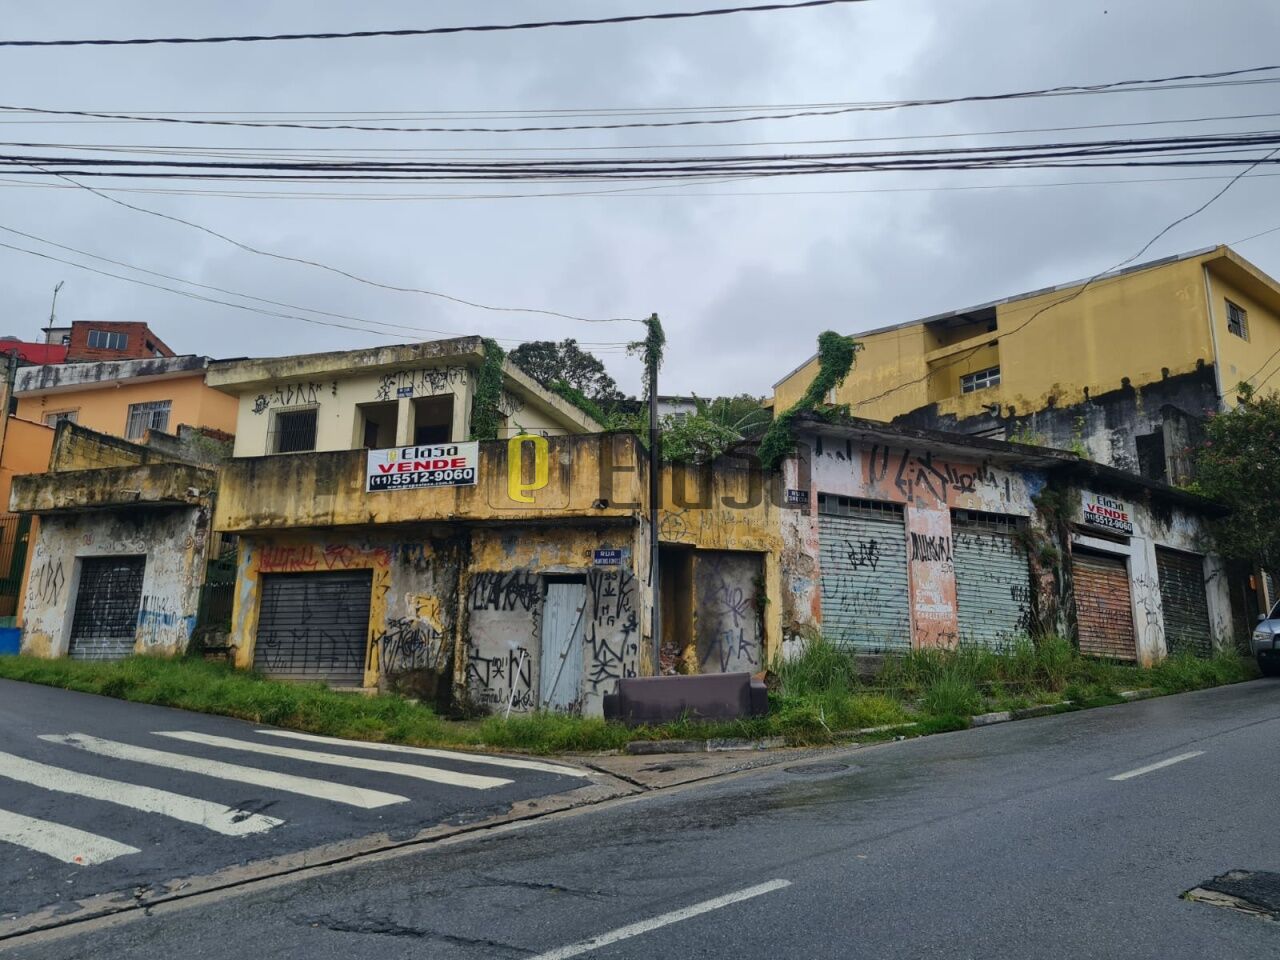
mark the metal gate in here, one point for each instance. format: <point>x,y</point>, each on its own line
<point>14,532</point>
<point>863,550</point>
<point>314,626</point>
<point>1104,611</point>
<point>104,624</point>
<point>1186,608</point>
<point>560,666</point>
<point>993,578</point>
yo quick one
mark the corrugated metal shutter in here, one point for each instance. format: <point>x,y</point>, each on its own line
<point>863,549</point>
<point>104,624</point>
<point>1186,607</point>
<point>314,626</point>
<point>993,578</point>
<point>1104,611</point>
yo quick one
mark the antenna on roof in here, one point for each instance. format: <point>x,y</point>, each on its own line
<point>54,305</point>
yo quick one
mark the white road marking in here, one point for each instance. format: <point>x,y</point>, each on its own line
<point>437,754</point>
<point>645,926</point>
<point>431,774</point>
<point>321,789</point>
<point>1129,775</point>
<point>60,842</point>
<point>203,813</point>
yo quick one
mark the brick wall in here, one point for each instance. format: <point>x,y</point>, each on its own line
<point>139,342</point>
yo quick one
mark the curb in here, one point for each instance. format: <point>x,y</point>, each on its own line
<point>640,748</point>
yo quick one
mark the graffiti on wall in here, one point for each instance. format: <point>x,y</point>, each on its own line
<point>503,679</point>
<point>612,634</point>
<point>415,641</point>
<point>728,619</point>
<point>509,404</point>
<point>517,589</point>
<point>309,557</point>
<point>427,382</point>
<point>288,395</point>
<point>919,474</point>
<point>931,565</point>
<point>160,622</point>
<point>48,581</point>
<point>931,548</point>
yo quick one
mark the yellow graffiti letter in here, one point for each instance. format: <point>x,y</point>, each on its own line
<point>517,489</point>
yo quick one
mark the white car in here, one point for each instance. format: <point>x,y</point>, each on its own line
<point>1265,643</point>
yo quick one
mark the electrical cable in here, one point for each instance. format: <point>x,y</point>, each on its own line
<point>433,31</point>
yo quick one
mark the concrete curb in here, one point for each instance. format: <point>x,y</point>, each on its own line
<point>638,748</point>
<point>1144,694</point>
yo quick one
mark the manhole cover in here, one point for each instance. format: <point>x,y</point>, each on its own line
<point>1250,891</point>
<point>828,766</point>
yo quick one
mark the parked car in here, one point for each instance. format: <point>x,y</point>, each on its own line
<point>1265,643</point>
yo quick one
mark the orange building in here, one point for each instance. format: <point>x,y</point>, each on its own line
<point>26,449</point>
<point>125,398</point>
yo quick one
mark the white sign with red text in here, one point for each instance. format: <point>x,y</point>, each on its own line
<point>1107,512</point>
<point>430,465</point>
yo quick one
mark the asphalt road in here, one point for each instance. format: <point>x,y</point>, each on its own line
<point>108,782</point>
<point>1008,841</point>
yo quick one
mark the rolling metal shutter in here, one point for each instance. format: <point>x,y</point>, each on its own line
<point>993,578</point>
<point>314,626</point>
<point>1186,608</point>
<point>863,549</point>
<point>104,624</point>
<point>1104,611</point>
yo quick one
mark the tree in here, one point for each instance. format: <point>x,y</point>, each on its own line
<point>706,432</point>
<point>547,362</point>
<point>1238,464</point>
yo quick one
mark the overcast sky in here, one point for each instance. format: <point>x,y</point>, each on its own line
<point>744,275</point>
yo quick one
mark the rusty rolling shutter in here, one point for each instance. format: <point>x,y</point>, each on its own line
<point>993,578</point>
<point>863,547</point>
<point>104,625</point>
<point>1104,611</point>
<point>314,626</point>
<point>1186,608</point>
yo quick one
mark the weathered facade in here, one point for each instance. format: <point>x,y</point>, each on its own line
<point>119,558</point>
<point>922,539</point>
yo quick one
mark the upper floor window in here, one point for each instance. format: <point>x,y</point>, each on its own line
<point>293,431</point>
<point>108,340</point>
<point>980,380</point>
<point>1237,321</point>
<point>152,415</point>
<point>53,419</point>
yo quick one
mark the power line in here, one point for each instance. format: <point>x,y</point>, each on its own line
<point>432,31</point>
<point>1079,290</point>
<point>1149,85</point>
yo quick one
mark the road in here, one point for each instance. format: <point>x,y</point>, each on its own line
<point>1061,837</point>
<point>99,795</point>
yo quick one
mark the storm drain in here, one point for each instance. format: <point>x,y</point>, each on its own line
<point>811,769</point>
<point>1249,891</point>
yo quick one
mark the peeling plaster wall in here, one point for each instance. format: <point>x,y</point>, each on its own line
<point>174,542</point>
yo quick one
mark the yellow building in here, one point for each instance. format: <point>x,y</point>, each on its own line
<point>1120,369</point>
<point>124,398</point>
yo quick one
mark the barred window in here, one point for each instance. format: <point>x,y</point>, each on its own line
<point>981,380</point>
<point>108,340</point>
<point>293,431</point>
<point>153,415</point>
<point>838,506</point>
<point>1237,321</point>
<point>55,418</point>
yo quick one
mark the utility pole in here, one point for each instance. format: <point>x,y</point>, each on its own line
<point>655,499</point>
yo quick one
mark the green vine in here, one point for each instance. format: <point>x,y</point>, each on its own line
<point>836,354</point>
<point>650,348</point>
<point>485,416</point>
<point>566,391</point>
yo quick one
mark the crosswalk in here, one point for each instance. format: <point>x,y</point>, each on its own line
<point>125,761</point>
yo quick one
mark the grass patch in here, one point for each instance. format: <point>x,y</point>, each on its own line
<point>816,697</point>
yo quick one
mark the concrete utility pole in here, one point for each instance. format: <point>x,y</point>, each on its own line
<point>655,498</point>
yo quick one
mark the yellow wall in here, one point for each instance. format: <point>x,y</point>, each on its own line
<point>104,406</point>
<point>1242,359</point>
<point>1134,326</point>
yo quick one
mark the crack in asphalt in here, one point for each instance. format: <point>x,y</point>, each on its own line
<point>386,927</point>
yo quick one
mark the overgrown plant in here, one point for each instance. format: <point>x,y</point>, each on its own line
<point>486,418</point>
<point>836,354</point>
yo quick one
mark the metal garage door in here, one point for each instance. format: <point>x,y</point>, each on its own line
<point>863,548</point>
<point>1186,608</point>
<point>314,626</point>
<point>993,578</point>
<point>1104,612</point>
<point>104,625</point>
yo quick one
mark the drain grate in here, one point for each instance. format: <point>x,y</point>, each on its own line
<point>1250,891</point>
<point>828,766</point>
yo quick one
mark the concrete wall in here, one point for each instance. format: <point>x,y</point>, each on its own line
<point>174,540</point>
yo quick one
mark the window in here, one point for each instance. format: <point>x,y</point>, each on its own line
<point>293,431</point>
<point>53,419</point>
<point>1237,321</point>
<point>433,419</point>
<point>981,380</point>
<point>380,421</point>
<point>107,340</point>
<point>153,415</point>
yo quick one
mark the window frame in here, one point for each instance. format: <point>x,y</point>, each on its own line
<point>986,379</point>
<point>149,408</point>
<point>108,338</point>
<point>274,432</point>
<point>1239,316</point>
<point>53,417</point>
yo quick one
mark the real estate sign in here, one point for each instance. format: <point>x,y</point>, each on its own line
<point>412,468</point>
<point>1100,511</point>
